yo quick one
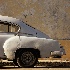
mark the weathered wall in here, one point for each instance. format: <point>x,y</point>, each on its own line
<point>50,16</point>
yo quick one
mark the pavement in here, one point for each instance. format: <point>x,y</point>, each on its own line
<point>41,67</point>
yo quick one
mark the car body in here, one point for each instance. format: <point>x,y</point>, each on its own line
<point>7,30</point>
<point>16,36</point>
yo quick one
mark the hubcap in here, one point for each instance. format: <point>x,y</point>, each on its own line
<point>28,58</point>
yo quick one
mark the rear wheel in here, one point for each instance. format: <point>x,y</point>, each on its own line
<point>27,59</point>
<point>15,62</point>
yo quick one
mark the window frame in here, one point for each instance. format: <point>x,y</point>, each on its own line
<point>10,23</point>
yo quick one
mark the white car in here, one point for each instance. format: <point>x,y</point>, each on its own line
<point>24,44</point>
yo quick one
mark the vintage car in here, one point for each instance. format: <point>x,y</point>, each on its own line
<point>24,44</point>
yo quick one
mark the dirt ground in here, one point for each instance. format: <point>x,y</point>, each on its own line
<point>36,68</point>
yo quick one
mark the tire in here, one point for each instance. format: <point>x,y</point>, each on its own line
<point>27,59</point>
<point>15,62</point>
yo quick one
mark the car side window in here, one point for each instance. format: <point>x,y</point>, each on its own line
<point>6,27</point>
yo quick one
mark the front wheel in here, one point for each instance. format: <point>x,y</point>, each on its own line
<point>27,59</point>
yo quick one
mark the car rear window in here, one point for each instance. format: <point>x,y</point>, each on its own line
<point>8,27</point>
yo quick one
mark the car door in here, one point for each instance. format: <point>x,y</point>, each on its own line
<point>7,30</point>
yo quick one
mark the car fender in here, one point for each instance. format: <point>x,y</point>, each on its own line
<point>10,46</point>
<point>45,46</point>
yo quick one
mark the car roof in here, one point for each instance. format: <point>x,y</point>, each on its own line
<point>9,19</point>
<point>24,28</point>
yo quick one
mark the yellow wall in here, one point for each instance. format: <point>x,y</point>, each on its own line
<point>66,45</point>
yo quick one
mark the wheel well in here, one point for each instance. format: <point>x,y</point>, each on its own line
<point>35,51</point>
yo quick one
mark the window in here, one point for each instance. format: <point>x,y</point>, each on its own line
<point>6,27</point>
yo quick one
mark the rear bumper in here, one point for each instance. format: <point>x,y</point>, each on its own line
<point>62,50</point>
<point>56,53</point>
